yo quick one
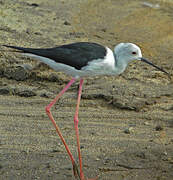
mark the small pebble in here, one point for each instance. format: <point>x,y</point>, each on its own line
<point>154,6</point>
<point>33,4</point>
<point>67,23</point>
<point>158,128</point>
<point>128,130</point>
<point>55,150</point>
<point>37,33</point>
<point>146,123</point>
<point>81,147</point>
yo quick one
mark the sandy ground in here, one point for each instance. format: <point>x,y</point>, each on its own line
<point>126,122</point>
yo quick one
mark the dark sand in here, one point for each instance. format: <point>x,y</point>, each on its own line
<point>126,122</point>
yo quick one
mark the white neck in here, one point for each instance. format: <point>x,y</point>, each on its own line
<point>120,64</point>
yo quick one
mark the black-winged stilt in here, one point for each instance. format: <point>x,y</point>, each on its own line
<point>80,60</point>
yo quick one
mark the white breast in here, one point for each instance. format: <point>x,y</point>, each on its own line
<point>101,66</point>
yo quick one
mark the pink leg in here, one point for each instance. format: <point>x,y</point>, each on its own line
<point>48,107</point>
<point>76,121</point>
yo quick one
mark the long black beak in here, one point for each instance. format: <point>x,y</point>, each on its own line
<point>148,62</point>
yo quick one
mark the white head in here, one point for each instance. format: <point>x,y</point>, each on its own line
<point>126,52</point>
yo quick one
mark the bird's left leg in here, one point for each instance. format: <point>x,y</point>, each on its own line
<point>76,121</point>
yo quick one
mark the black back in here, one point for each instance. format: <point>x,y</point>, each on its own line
<point>76,55</point>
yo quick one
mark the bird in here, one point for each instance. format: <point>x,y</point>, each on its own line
<point>80,60</point>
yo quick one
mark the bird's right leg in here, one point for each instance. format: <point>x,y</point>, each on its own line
<point>48,107</point>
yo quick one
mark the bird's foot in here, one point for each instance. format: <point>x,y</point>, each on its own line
<point>76,171</point>
<point>80,176</point>
<point>83,178</point>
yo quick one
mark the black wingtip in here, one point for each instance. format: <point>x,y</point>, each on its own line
<point>13,47</point>
<point>4,45</point>
<point>18,49</point>
<point>8,46</point>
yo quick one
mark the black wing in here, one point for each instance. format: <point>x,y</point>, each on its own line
<point>76,55</point>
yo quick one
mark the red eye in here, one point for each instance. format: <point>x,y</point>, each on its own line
<point>134,52</point>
